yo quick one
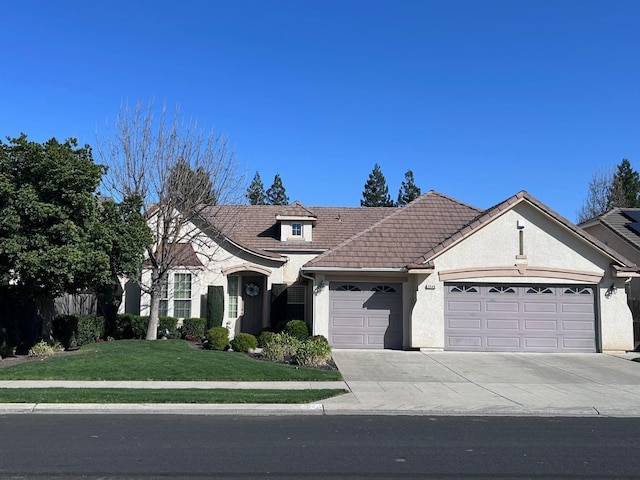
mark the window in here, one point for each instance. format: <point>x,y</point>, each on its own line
<point>164,298</point>
<point>384,289</point>
<point>539,290</point>
<point>182,295</point>
<point>502,290</point>
<point>464,289</point>
<point>348,288</point>
<point>577,291</point>
<point>295,295</point>
<point>296,229</point>
<point>232,290</point>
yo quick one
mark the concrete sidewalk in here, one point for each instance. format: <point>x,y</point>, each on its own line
<point>417,383</point>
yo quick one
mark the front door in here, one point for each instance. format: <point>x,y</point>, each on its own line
<point>252,295</point>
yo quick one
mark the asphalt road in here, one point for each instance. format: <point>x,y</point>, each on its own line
<point>316,447</point>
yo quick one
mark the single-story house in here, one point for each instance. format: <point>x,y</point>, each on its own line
<point>436,274</point>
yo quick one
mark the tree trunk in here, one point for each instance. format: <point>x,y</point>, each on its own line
<point>154,310</point>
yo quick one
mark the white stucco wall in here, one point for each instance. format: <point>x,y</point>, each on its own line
<point>546,244</point>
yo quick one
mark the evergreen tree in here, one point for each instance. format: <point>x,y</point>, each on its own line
<point>409,190</point>
<point>255,192</point>
<point>625,190</point>
<point>276,194</point>
<point>376,192</point>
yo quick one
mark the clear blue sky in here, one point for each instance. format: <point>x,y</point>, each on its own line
<point>479,98</point>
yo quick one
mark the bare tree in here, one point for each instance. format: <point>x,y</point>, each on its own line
<point>599,195</point>
<point>178,170</point>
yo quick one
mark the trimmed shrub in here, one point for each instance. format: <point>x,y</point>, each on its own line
<point>41,349</point>
<point>273,351</point>
<point>243,342</point>
<point>131,326</point>
<point>217,338</point>
<point>265,337</point>
<point>194,327</point>
<point>76,330</point>
<point>167,327</point>
<point>215,306</point>
<point>320,338</point>
<point>314,352</point>
<point>297,329</point>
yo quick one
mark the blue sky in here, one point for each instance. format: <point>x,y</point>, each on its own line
<point>480,98</point>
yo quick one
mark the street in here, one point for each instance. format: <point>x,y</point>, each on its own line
<point>315,447</point>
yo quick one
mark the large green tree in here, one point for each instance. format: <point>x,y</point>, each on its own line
<point>255,192</point>
<point>276,194</point>
<point>611,188</point>
<point>409,191</point>
<point>56,236</point>
<point>376,191</point>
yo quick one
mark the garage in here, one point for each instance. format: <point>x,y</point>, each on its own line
<point>365,315</point>
<point>520,318</point>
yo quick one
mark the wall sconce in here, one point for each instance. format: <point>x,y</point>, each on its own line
<point>322,285</point>
<point>610,291</point>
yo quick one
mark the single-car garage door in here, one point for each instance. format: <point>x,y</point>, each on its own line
<point>365,315</point>
<point>535,318</point>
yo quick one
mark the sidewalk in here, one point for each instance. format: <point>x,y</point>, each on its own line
<point>416,383</point>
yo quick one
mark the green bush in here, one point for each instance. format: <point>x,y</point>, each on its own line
<point>193,327</point>
<point>41,349</point>
<point>243,342</point>
<point>215,306</point>
<point>280,347</point>
<point>265,337</point>
<point>76,330</point>
<point>297,329</point>
<point>320,338</point>
<point>217,338</point>
<point>131,326</point>
<point>315,352</point>
<point>167,327</point>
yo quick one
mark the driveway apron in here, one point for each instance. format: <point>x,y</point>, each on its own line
<point>489,383</point>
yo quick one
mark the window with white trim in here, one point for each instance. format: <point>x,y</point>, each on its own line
<point>464,289</point>
<point>164,297</point>
<point>232,291</point>
<point>296,229</point>
<point>182,295</point>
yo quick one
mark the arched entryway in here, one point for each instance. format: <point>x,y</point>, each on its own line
<point>248,284</point>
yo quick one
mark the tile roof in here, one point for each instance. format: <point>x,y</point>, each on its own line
<point>400,238</point>
<point>255,227</point>
<point>616,221</point>
<point>183,254</point>
<point>296,209</point>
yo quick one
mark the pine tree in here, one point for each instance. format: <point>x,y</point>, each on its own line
<point>255,192</point>
<point>376,192</point>
<point>276,194</point>
<point>409,190</point>
<point>625,190</point>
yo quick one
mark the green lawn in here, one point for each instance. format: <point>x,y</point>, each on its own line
<point>159,360</point>
<point>124,395</point>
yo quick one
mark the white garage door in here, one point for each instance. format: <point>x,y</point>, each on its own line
<point>365,315</point>
<point>537,318</point>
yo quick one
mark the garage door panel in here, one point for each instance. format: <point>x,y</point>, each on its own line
<point>502,307</point>
<point>495,324</point>
<point>346,304</point>
<point>348,322</point>
<point>544,318</point>
<point>348,339</point>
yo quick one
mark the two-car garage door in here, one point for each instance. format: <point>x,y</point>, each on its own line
<point>534,318</point>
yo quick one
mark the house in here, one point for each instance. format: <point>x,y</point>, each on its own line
<point>620,229</point>
<point>436,274</point>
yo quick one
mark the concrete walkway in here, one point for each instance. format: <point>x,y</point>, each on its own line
<point>417,383</point>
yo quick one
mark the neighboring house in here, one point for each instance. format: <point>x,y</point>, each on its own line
<point>436,274</point>
<point>620,229</point>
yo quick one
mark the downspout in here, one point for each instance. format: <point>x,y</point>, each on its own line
<point>313,299</point>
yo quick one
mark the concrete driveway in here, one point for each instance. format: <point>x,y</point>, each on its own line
<point>389,381</point>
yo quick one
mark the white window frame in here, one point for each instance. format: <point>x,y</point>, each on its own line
<point>233,296</point>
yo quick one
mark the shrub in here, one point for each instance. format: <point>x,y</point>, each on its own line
<point>41,349</point>
<point>7,350</point>
<point>280,347</point>
<point>215,306</point>
<point>265,337</point>
<point>167,327</point>
<point>217,338</point>
<point>76,330</point>
<point>315,352</point>
<point>320,338</point>
<point>194,327</point>
<point>243,342</point>
<point>131,326</point>
<point>297,329</point>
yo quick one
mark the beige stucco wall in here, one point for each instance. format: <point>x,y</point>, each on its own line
<point>546,244</point>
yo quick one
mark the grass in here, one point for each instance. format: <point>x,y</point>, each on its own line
<point>114,395</point>
<point>168,360</point>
